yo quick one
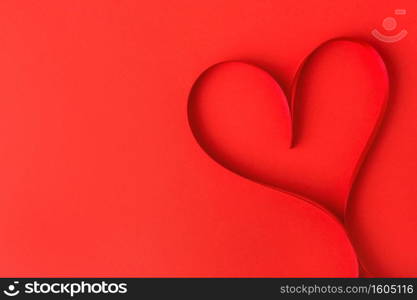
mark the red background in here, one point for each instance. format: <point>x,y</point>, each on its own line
<point>101,175</point>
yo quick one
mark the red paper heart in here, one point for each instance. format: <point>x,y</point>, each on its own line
<point>241,118</point>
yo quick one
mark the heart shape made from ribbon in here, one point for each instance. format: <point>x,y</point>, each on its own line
<point>311,142</point>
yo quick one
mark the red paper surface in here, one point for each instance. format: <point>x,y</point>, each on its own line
<point>101,173</point>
